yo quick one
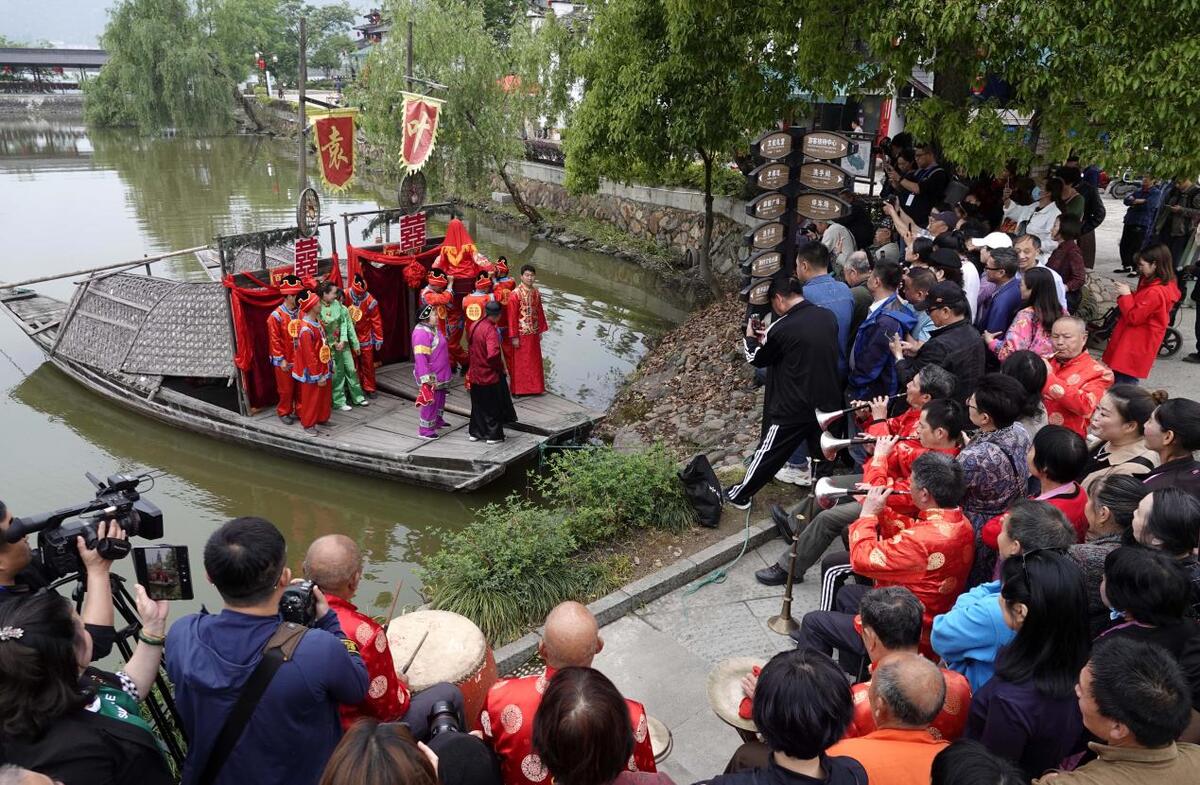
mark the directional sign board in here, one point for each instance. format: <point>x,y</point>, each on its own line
<point>768,206</point>
<point>824,177</point>
<point>827,145</point>
<point>767,236</point>
<point>821,207</point>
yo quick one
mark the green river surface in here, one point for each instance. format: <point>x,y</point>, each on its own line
<point>72,198</point>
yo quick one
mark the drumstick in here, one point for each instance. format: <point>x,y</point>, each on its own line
<point>395,596</point>
<point>420,643</point>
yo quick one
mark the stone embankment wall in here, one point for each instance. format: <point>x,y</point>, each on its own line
<point>671,218</point>
<point>48,105</point>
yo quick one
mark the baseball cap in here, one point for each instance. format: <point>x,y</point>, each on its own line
<point>993,240</point>
<point>948,217</point>
<point>945,258</point>
<point>945,294</point>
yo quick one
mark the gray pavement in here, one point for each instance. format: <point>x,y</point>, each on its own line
<point>662,652</point>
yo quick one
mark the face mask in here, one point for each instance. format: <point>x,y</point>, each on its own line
<point>1036,193</point>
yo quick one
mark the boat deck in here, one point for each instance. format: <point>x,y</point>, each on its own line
<point>378,439</point>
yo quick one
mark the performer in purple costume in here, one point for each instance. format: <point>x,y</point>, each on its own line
<point>431,367</point>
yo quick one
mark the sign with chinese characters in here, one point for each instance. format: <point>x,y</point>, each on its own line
<point>334,136</point>
<point>763,265</point>
<point>758,293</point>
<point>769,235</point>
<point>820,207</point>
<point>412,232</point>
<point>823,176</point>
<point>307,250</point>
<point>826,145</point>
<point>768,206</point>
<point>771,176</point>
<point>419,133</point>
<point>774,146</point>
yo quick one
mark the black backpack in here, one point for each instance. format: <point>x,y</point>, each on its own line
<point>1102,328</point>
<point>703,490</point>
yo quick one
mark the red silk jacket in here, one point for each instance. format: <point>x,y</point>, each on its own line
<point>387,697</point>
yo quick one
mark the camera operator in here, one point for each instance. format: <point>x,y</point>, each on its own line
<point>285,733</point>
<point>334,564</point>
<point>19,578</point>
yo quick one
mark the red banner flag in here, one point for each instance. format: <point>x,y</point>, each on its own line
<point>334,132</point>
<point>420,129</point>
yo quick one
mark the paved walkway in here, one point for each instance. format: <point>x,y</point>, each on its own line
<point>661,655</point>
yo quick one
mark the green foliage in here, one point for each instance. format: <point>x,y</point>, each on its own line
<point>1099,77</point>
<point>607,494</point>
<point>517,560</point>
<point>508,568</point>
<point>161,72</point>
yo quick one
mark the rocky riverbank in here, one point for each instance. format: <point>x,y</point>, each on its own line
<point>693,391</point>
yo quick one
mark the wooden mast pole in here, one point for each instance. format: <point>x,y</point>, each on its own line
<point>303,119</point>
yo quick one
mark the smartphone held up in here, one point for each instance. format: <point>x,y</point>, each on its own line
<point>164,571</point>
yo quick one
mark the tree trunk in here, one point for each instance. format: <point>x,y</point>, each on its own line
<point>705,263</point>
<point>248,107</point>
<point>526,209</point>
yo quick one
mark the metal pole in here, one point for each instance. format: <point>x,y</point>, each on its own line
<point>303,122</point>
<point>783,623</point>
<point>408,70</point>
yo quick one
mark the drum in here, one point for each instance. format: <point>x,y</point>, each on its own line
<point>447,647</point>
<point>660,738</point>
<point>725,691</point>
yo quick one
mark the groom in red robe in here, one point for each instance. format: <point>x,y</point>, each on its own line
<point>526,321</point>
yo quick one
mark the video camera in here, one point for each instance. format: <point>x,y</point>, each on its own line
<point>117,499</point>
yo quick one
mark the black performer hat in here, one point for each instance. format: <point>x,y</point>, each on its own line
<point>425,313</point>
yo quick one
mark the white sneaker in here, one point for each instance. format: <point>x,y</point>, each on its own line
<point>795,475</point>
<point>472,438</point>
<point>345,408</point>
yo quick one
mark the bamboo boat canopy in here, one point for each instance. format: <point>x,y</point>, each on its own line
<point>139,325</point>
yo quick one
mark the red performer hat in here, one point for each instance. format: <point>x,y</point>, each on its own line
<point>484,281</point>
<point>360,284</point>
<point>437,277</point>
<point>308,301</point>
<point>501,267</point>
<point>290,284</point>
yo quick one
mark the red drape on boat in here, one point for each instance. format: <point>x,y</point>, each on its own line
<point>390,278</point>
<point>250,309</point>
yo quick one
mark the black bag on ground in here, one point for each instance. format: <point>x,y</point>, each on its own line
<point>1102,329</point>
<point>703,490</point>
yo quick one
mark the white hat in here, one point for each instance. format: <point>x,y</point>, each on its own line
<point>993,240</point>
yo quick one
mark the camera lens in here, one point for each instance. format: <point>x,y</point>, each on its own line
<point>443,717</point>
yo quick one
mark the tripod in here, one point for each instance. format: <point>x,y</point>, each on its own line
<point>159,703</point>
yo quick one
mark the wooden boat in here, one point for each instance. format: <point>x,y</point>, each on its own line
<point>165,349</point>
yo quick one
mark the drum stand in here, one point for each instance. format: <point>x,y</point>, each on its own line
<point>783,623</point>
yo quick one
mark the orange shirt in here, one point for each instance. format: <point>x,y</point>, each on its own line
<point>892,756</point>
<point>894,471</point>
<point>507,722</point>
<point>949,724</point>
<point>1072,390</point>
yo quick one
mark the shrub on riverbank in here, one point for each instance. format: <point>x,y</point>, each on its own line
<point>518,559</point>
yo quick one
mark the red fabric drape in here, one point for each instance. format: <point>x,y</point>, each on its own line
<point>391,287</point>
<point>250,308</point>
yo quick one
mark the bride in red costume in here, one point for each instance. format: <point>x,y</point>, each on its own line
<point>457,260</point>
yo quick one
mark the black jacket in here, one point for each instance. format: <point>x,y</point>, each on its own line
<point>839,770</point>
<point>1093,206</point>
<point>1183,473</point>
<point>84,748</point>
<point>959,349</point>
<point>801,349</point>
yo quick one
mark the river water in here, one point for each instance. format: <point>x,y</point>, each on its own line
<point>71,198</point>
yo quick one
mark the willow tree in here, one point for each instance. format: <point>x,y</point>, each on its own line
<point>492,94</point>
<point>1113,79</point>
<point>669,82</point>
<point>162,71</point>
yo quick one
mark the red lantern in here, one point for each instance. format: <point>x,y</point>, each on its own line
<point>8,69</point>
<point>58,70</point>
<point>262,64</point>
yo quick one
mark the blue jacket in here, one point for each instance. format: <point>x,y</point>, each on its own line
<point>835,296</point>
<point>970,636</point>
<point>1003,307</point>
<point>295,726</point>
<point>872,366</point>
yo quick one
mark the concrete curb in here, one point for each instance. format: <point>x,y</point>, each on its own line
<point>633,595</point>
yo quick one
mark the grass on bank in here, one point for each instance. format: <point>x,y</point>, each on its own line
<point>518,559</point>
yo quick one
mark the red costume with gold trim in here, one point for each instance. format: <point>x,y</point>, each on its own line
<point>282,346</point>
<point>526,321</point>
<point>901,425</point>
<point>1072,390</point>
<point>312,369</point>
<point>929,555</point>
<point>474,303</point>
<point>503,283</point>
<point>507,723</point>
<point>368,326</point>
<point>949,724</point>
<point>894,471</point>
<point>387,697</point>
<point>451,322</point>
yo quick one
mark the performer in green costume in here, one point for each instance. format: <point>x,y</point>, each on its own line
<point>343,342</point>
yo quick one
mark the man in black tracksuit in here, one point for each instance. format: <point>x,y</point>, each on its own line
<point>801,349</point>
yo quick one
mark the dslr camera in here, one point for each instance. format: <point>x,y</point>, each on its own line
<point>117,498</point>
<point>298,604</point>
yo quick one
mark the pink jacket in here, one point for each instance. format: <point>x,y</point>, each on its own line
<point>1025,332</point>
